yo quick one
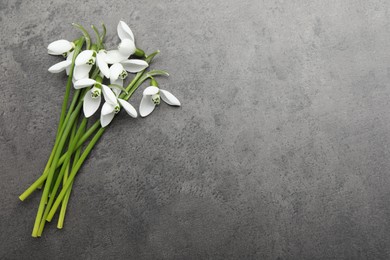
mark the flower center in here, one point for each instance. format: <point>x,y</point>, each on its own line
<point>123,74</point>
<point>65,54</point>
<point>156,99</point>
<point>117,109</point>
<point>91,61</point>
<point>96,91</point>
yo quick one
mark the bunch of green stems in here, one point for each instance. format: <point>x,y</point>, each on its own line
<point>75,139</point>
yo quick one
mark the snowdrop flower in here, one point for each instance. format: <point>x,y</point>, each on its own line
<point>152,96</point>
<point>125,48</point>
<point>93,97</point>
<point>86,59</point>
<point>83,64</point>
<point>111,108</point>
<point>118,82</point>
<point>119,70</point>
<point>60,47</point>
<point>63,65</point>
<point>102,64</point>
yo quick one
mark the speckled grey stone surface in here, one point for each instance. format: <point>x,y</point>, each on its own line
<point>280,150</point>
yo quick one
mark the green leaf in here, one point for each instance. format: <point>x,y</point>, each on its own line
<point>85,33</point>
<point>98,40</point>
<point>150,57</point>
<point>153,73</point>
<point>103,35</point>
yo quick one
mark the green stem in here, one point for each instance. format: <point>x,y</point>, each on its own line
<point>73,173</point>
<point>52,170</point>
<point>61,174</point>
<point>64,204</point>
<point>67,195</point>
<point>43,177</point>
<point>72,138</point>
<point>79,45</point>
<point>38,183</point>
<point>69,85</point>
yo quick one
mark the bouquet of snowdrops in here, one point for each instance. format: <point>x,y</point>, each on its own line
<point>97,77</point>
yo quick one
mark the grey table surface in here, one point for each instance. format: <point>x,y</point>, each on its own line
<point>279,151</point>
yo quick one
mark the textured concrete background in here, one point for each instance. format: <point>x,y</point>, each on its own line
<point>280,150</point>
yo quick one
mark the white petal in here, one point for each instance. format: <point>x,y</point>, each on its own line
<point>134,65</point>
<point>129,108</point>
<point>119,82</point>
<point>91,105</point>
<point>105,120</point>
<point>126,47</point>
<point>109,96</point>
<point>102,53</point>
<point>81,71</point>
<point>151,91</point>
<point>59,47</point>
<point>83,57</point>
<point>115,70</point>
<point>102,64</point>
<point>124,31</point>
<point>114,56</point>
<point>82,83</point>
<point>60,66</point>
<point>169,98</point>
<point>107,108</point>
<point>70,56</point>
<point>147,106</point>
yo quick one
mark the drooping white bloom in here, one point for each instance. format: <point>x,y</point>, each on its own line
<point>83,64</point>
<point>60,47</point>
<point>110,108</point>
<point>93,98</point>
<point>118,82</point>
<point>63,65</point>
<point>125,48</point>
<point>102,64</point>
<point>134,65</point>
<point>119,70</point>
<point>86,59</point>
<point>151,98</point>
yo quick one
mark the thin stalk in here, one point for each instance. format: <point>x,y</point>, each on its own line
<point>72,138</point>
<point>69,84</point>
<point>43,177</point>
<point>64,204</point>
<point>37,184</point>
<point>77,50</point>
<point>73,173</point>
<point>60,176</point>
<point>52,170</point>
